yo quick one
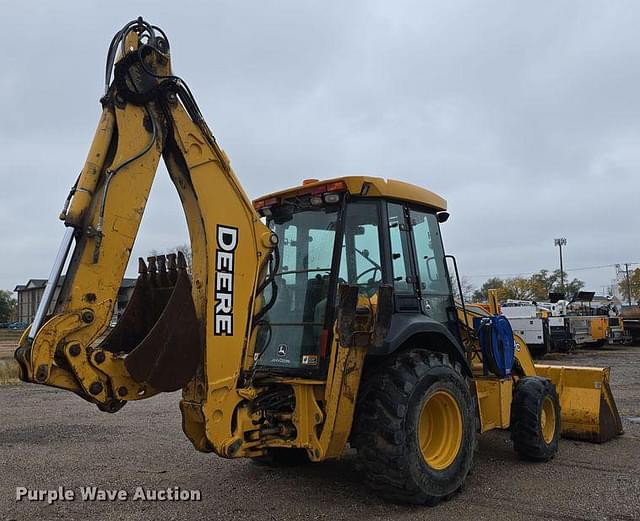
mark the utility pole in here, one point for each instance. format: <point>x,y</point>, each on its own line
<point>560,243</point>
<point>626,269</point>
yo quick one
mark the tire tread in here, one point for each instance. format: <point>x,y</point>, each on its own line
<point>379,432</point>
<point>526,431</point>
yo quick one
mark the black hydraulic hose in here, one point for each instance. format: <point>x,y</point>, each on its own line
<point>188,100</point>
<point>112,172</point>
<point>120,37</point>
<point>67,201</point>
<point>270,279</point>
<point>274,267</point>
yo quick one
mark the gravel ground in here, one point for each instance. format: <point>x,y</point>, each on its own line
<point>50,438</point>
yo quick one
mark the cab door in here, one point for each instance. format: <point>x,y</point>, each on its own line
<point>401,271</point>
<point>433,283</point>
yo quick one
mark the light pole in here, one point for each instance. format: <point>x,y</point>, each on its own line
<point>560,243</point>
<point>626,269</point>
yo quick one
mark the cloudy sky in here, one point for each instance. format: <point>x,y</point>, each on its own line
<point>525,116</point>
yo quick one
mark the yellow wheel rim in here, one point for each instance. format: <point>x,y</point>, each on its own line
<point>440,430</point>
<point>548,419</point>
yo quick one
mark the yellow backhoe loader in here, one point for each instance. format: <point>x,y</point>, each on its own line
<point>312,318</point>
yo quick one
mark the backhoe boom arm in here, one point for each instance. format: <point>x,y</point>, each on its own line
<point>160,343</point>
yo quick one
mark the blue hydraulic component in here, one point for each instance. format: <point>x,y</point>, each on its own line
<point>496,343</point>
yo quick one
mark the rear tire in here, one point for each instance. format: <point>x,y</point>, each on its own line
<point>535,419</point>
<point>414,428</point>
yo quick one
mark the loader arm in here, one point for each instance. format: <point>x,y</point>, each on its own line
<point>160,344</point>
<point>588,409</point>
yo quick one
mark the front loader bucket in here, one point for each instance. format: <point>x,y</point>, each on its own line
<point>587,408</point>
<point>158,331</point>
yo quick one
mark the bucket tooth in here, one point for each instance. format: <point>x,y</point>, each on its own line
<point>151,261</point>
<point>161,261</point>
<point>171,261</point>
<point>152,270</point>
<point>171,268</point>
<point>182,263</point>
<point>142,267</point>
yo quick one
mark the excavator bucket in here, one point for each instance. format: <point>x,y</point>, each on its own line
<point>587,408</point>
<point>158,330</point>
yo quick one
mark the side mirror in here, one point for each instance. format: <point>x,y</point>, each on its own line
<point>443,217</point>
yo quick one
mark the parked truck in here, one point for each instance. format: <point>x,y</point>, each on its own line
<point>527,322</point>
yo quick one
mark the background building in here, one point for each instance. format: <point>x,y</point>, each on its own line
<point>30,294</point>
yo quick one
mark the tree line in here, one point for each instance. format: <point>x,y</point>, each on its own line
<point>633,286</point>
<point>8,306</point>
<point>535,287</point>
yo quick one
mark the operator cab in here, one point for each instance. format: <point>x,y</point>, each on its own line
<point>359,231</point>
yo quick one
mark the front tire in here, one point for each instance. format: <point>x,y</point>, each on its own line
<point>535,419</point>
<point>414,428</point>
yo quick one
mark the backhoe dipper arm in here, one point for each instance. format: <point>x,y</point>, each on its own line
<point>160,342</point>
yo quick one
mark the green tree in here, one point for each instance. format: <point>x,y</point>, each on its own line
<point>7,306</point>
<point>545,282</point>
<point>572,287</point>
<point>634,283</point>
<point>518,288</point>
<point>482,294</point>
<point>536,287</point>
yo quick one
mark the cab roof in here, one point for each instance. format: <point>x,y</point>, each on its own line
<point>366,186</point>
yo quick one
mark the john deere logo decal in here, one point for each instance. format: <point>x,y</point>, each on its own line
<point>227,241</point>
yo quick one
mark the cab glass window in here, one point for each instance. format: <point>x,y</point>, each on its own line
<point>400,252</point>
<point>360,256</point>
<point>430,253</point>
